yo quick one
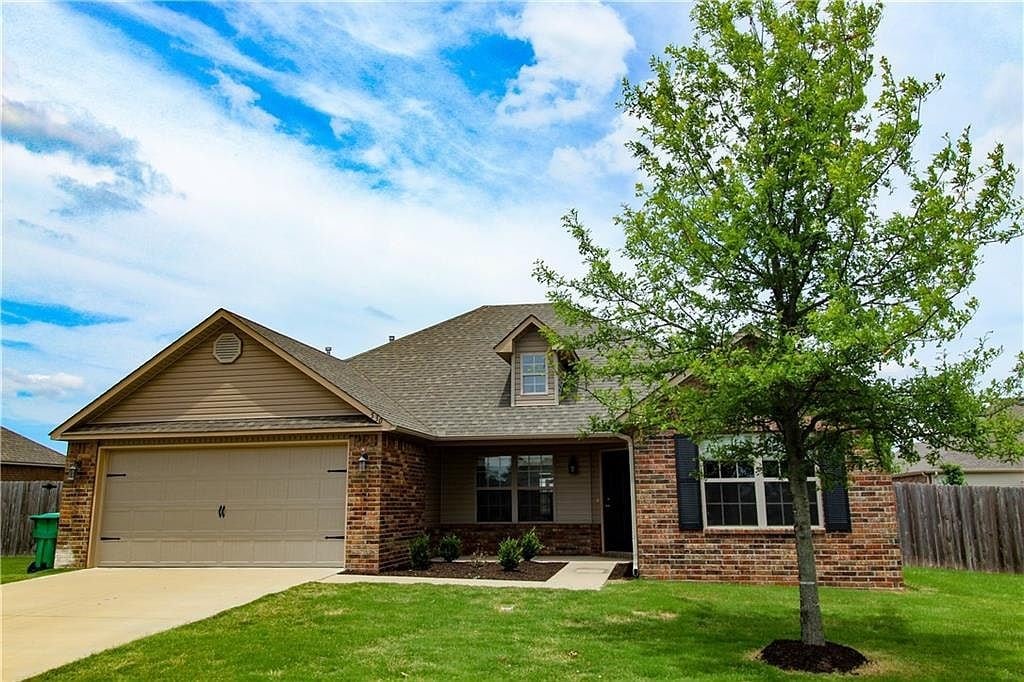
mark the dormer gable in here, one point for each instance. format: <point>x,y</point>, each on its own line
<point>533,363</point>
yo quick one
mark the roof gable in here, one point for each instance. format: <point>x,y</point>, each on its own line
<point>105,408</point>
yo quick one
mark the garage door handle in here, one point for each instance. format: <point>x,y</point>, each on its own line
<point>334,537</point>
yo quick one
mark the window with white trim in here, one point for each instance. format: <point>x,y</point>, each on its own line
<point>527,479</point>
<point>752,496</point>
<point>534,373</point>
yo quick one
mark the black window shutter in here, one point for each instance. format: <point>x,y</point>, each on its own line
<point>687,485</point>
<point>836,501</point>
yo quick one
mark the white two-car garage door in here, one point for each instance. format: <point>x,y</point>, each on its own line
<point>217,506</point>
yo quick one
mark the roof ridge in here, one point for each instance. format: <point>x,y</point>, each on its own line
<point>416,333</point>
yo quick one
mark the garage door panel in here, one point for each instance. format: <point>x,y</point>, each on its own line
<point>279,503</point>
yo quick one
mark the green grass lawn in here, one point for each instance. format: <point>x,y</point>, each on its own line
<point>14,568</point>
<point>946,625</point>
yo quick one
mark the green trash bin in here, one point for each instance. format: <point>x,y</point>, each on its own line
<point>45,533</point>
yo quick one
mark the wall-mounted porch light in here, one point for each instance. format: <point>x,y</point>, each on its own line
<point>70,472</point>
<point>363,460</point>
<point>574,465</point>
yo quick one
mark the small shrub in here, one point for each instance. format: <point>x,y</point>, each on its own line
<point>450,547</point>
<point>952,474</point>
<point>530,544</point>
<point>509,554</point>
<point>419,552</point>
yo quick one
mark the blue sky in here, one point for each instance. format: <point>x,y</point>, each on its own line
<point>343,172</point>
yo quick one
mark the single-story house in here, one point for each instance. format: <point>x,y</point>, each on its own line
<point>238,445</point>
<point>23,459</point>
<point>977,471</point>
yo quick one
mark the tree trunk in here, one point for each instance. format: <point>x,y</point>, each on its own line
<point>812,630</point>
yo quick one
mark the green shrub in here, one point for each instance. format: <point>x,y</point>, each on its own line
<point>450,547</point>
<point>530,544</point>
<point>952,474</point>
<point>419,552</point>
<point>509,554</point>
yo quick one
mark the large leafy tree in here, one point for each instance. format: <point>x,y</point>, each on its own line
<point>788,247</point>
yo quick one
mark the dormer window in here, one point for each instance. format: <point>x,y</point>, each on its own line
<point>535,373</point>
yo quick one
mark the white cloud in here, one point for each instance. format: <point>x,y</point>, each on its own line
<point>57,385</point>
<point>242,101</point>
<point>608,156</point>
<point>579,51</point>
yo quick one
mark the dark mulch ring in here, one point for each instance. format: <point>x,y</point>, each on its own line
<point>622,571</point>
<point>792,654</point>
<point>536,571</point>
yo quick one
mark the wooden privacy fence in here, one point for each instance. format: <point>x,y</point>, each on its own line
<point>980,528</point>
<point>18,500</point>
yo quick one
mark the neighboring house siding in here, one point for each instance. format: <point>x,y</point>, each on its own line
<point>197,386</point>
<point>995,478</point>
<point>533,342</point>
<point>574,495</point>
<point>30,472</point>
<point>866,557</point>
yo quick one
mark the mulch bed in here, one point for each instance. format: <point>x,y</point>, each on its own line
<point>622,571</point>
<point>527,570</point>
<point>792,654</point>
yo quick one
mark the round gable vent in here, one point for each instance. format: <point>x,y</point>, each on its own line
<point>227,348</point>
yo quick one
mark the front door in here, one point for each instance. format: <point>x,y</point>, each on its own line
<point>618,525</point>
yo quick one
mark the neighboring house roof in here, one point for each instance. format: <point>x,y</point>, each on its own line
<point>966,460</point>
<point>16,449</point>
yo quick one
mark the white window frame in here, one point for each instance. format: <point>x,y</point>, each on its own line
<point>515,488</point>
<point>523,374</point>
<point>758,479</point>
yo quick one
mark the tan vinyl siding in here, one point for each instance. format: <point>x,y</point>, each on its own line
<point>533,342</point>
<point>196,386</point>
<point>573,494</point>
<point>458,488</point>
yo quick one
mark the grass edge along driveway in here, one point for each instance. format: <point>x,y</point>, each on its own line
<point>946,625</point>
<point>14,568</point>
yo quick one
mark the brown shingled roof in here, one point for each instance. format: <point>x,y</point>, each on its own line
<point>16,449</point>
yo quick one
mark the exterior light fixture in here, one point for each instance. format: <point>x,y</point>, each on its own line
<point>363,460</point>
<point>574,465</point>
<point>70,472</point>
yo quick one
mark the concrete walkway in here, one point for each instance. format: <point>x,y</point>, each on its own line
<point>52,620</point>
<point>585,573</point>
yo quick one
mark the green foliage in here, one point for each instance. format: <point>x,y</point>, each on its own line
<point>952,474</point>
<point>788,245</point>
<point>419,551</point>
<point>509,553</point>
<point>450,547</point>
<point>530,544</point>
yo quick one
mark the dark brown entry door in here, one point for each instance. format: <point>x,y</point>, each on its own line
<point>618,527</point>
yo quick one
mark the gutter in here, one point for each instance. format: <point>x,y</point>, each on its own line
<point>632,502</point>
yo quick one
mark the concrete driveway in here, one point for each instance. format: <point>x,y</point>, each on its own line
<point>82,612</point>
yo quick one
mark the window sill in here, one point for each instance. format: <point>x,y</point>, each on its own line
<point>750,530</point>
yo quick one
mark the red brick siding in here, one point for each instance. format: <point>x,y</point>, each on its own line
<point>869,556</point>
<point>29,472</point>
<point>362,521</point>
<point>557,538</point>
<point>76,501</point>
<point>403,494</point>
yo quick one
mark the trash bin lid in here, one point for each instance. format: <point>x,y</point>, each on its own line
<point>47,515</point>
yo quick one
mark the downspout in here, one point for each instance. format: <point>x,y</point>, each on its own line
<point>632,501</point>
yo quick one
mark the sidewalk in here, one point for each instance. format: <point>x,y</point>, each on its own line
<point>583,573</point>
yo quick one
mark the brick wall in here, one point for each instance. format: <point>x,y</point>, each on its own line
<point>404,491</point>
<point>28,472</point>
<point>557,538</point>
<point>76,499</point>
<point>867,557</point>
<point>362,523</point>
